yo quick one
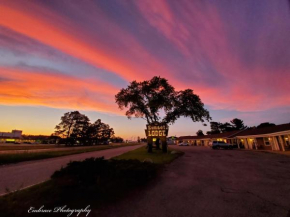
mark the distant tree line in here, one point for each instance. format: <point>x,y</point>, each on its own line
<point>117,139</point>
<point>199,133</point>
<point>217,127</point>
<point>235,124</point>
<point>75,128</point>
<point>266,124</point>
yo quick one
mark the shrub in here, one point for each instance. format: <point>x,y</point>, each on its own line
<point>107,179</point>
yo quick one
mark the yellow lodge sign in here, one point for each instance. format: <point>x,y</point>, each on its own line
<point>156,130</point>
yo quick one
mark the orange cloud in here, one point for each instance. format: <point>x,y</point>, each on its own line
<point>55,90</point>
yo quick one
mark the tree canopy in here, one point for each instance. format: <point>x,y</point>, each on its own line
<point>156,100</point>
<point>238,124</point>
<point>199,133</point>
<point>217,127</point>
<point>266,124</point>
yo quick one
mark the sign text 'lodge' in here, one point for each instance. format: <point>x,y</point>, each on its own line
<point>156,130</point>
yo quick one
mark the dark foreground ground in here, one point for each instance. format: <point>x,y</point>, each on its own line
<point>207,182</point>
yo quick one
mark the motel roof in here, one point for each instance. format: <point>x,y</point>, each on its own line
<point>226,134</point>
<point>264,130</point>
<point>192,137</point>
<point>245,132</point>
<point>219,135</point>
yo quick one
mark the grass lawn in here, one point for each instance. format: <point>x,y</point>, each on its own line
<point>157,156</point>
<point>20,157</point>
<point>95,182</point>
<point>10,147</point>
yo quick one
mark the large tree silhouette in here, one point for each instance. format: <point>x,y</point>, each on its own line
<point>156,100</point>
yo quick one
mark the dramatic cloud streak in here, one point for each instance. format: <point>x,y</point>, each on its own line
<point>54,30</point>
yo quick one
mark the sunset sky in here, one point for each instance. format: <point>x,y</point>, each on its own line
<point>59,56</point>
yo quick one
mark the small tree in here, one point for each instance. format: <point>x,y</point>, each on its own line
<point>238,124</point>
<point>76,127</point>
<point>199,133</point>
<point>149,99</point>
<point>79,133</point>
<point>215,128</point>
<point>71,126</point>
<point>99,132</point>
<point>266,124</point>
<point>226,127</point>
<point>106,132</point>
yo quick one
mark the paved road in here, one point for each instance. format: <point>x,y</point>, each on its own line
<point>220,183</point>
<point>50,149</point>
<point>21,175</point>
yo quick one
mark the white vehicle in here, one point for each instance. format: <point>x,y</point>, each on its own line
<point>183,144</point>
<point>220,144</point>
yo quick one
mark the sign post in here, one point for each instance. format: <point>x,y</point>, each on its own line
<point>157,132</point>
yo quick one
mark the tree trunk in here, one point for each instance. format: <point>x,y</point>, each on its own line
<point>149,148</point>
<point>157,144</point>
<point>164,147</point>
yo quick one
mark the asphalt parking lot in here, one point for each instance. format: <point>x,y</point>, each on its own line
<point>205,182</point>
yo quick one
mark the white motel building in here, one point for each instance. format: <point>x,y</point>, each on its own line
<point>276,138</point>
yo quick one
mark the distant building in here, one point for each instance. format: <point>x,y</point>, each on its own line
<point>13,134</point>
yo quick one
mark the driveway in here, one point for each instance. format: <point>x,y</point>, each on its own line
<point>206,182</point>
<point>21,175</point>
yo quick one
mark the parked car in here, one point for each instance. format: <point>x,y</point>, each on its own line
<point>183,144</point>
<point>220,144</point>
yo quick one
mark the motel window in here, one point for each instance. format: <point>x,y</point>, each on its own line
<point>267,141</point>
<point>286,138</point>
